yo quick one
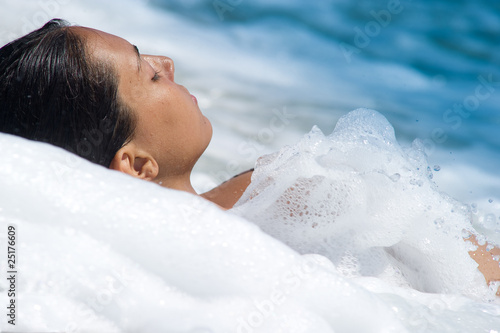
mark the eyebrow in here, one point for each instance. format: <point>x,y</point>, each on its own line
<point>138,58</point>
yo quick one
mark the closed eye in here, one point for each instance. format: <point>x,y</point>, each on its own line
<point>156,77</point>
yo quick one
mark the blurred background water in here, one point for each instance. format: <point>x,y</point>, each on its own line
<point>266,71</point>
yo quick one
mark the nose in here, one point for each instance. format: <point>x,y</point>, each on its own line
<point>163,63</point>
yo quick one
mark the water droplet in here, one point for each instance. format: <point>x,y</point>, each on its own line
<point>395,177</point>
<point>437,168</point>
<point>490,200</point>
<point>490,222</point>
<point>439,223</point>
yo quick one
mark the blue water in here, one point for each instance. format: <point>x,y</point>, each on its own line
<point>431,67</point>
<point>422,64</point>
<point>412,60</point>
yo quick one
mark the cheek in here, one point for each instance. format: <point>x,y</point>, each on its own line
<point>169,113</point>
<point>133,92</point>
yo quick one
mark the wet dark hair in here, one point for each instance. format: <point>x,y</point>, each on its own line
<point>51,90</point>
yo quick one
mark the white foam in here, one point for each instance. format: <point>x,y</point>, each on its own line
<point>99,250</point>
<point>367,204</point>
<point>102,251</point>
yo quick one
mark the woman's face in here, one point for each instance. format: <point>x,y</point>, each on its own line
<point>170,125</point>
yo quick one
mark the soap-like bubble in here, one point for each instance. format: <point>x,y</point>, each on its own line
<point>367,204</point>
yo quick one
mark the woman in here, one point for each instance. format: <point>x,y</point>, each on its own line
<point>95,95</point>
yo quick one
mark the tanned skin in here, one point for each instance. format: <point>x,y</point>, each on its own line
<point>229,192</point>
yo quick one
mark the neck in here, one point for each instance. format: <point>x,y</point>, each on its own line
<point>179,183</point>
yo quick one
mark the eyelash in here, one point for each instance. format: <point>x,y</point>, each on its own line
<point>156,77</point>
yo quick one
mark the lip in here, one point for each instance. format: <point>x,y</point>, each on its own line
<point>192,96</point>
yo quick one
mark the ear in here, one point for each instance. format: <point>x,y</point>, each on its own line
<point>135,162</point>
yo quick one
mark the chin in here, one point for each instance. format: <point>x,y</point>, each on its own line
<point>207,122</point>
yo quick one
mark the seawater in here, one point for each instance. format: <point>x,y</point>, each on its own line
<point>266,72</point>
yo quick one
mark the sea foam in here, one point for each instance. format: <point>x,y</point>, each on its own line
<point>367,204</point>
<point>101,251</point>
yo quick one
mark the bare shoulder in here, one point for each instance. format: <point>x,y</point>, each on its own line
<point>229,192</point>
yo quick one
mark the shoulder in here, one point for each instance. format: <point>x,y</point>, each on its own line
<point>229,192</point>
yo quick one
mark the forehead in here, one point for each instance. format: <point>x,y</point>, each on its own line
<point>100,44</point>
<point>111,49</point>
<point>96,37</point>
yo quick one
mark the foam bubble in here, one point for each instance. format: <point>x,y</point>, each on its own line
<point>367,204</point>
<point>102,251</point>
